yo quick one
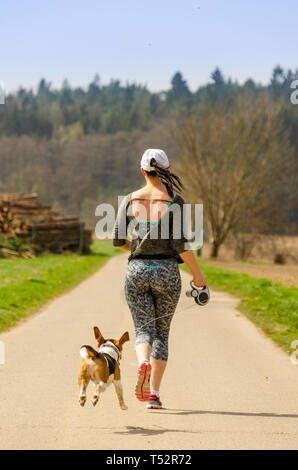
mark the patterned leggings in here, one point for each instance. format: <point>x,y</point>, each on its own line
<point>152,289</point>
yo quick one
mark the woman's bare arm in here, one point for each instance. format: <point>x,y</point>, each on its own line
<point>190,260</point>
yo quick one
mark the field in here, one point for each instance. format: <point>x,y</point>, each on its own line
<point>272,306</point>
<point>265,248</point>
<point>27,284</point>
<point>284,274</point>
<point>260,262</point>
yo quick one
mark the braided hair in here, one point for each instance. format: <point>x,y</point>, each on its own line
<point>171,181</point>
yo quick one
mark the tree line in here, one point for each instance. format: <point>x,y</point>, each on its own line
<point>68,113</point>
<point>78,147</point>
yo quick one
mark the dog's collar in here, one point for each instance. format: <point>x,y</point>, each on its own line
<point>109,348</point>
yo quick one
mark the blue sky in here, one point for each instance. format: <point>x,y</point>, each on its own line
<point>145,41</point>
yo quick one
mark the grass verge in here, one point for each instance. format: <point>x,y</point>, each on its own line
<point>26,284</point>
<point>270,305</point>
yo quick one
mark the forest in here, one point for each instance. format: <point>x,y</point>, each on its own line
<point>78,147</point>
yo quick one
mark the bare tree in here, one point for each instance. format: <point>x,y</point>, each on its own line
<point>238,163</point>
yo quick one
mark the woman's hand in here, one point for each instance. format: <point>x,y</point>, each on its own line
<point>199,281</point>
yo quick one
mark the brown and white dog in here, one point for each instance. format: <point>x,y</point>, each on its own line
<point>102,367</point>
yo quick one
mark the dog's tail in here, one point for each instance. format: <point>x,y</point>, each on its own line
<point>87,352</point>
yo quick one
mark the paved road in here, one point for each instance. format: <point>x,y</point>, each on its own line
<point>226,387</point>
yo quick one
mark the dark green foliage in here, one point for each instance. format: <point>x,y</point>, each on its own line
<point>217,77</point>
<point>179,95</point>
<point>104,109</point>
<point>107,109</point>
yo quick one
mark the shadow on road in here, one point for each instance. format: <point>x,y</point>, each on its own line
<point>151,432</point>
<point>229,413</point>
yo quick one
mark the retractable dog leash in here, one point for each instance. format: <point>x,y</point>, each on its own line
<point>201,296</point>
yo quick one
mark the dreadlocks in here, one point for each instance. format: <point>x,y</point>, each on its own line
<point>171,181</point>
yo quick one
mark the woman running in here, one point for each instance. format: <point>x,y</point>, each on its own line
<point>152,216</point>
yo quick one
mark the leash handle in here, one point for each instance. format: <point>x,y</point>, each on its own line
<point>196,287</point>
<point>201,295</point>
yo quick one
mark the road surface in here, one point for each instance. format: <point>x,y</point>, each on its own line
<point>227,386</point>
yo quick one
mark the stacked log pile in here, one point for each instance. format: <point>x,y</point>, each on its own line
<point>23,216</point>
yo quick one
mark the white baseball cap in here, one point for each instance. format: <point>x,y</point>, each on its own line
<point>160,157</point>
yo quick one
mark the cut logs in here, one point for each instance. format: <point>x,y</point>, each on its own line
<point>23,216</point>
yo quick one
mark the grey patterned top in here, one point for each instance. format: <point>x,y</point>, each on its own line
<point>165,237</point>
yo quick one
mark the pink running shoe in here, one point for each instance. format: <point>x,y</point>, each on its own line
<point>142,389</point>
<point>154,403</point>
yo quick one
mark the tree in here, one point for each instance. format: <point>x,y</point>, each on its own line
<point>65,94</point>
<point>278,76</point>
<point>179,86</point>
<point>218,77</point>
<point>238,162</point>
<point>250,85</point>
<point>44,87</point>
<point>179,92</point>
<point>94,88</point>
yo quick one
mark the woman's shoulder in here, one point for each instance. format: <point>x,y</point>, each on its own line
<point>177,199</point>
<point>137,193</point>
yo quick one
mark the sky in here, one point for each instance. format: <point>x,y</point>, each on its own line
<point>144,42</point>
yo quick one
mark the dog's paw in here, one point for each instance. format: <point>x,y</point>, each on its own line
<point>94,400</point>
<point>82,401</point>
<point>124,407</point>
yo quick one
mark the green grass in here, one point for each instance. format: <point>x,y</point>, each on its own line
<point>270,305</point>
<point>26,284</point>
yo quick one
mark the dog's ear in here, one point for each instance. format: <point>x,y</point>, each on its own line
<point>98,335</point>
<point>124,338</point>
